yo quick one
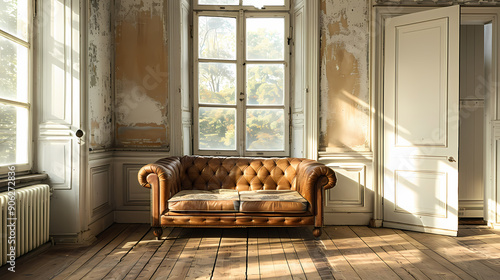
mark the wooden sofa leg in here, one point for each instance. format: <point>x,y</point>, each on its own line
<point>317,232</point>
<point>158,231</point>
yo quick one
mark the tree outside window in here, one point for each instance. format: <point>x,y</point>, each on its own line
<point>14,82</point>
<point>241,78</point>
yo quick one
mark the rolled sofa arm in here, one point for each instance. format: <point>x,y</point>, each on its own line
<point>312,179</point>
<point>165,169</point>
<point>163,178</point>
<point>312,174</point>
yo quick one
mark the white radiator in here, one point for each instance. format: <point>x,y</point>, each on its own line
<point>31,217</point>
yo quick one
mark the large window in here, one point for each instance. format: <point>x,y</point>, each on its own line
<point>15,84</point>
<point>241,77</point>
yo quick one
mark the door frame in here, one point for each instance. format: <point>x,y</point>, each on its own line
<point>469,15</point>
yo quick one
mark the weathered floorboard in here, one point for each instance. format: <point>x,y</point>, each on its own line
<point>130,251</point>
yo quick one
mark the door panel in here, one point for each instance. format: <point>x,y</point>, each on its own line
<point>412,94</point>
<point>421,95</point>
<point>59,111</point>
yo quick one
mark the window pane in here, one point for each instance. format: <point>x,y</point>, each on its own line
<point>217,83</point>
<point>265,83</point>
<point>13,135</point>
<point>265,129</point>
<point>14,18</point>
<point>265,38</point>
<point>218,2</point>
<point>13,71</point>
<point>217,37</point>
<point>217,128</point>
<point>262,3</point>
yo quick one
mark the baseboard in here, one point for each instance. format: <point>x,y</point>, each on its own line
<point>65,238</point>
<point>88,236</point>
<point>347,219</point>
<point>134,217</point>
<point>101,224</point>
<point>376,223</point>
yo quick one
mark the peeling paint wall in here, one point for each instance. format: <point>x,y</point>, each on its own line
<point>141,75</point>
<point>100,41</point>
<point>345,95</point>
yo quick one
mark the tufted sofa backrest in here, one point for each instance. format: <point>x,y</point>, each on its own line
<point>242,174</point>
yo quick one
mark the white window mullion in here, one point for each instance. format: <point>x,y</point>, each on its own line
<point>241,125</point>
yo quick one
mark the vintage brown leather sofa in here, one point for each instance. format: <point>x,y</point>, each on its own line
<point>169,176</point>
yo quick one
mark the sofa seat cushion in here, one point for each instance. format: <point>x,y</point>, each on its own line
<point>272,201</point>
<point>220,200</point>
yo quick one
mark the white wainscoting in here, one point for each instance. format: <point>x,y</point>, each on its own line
<point>132,201</point>
<point>350,202</point>
<point>116,196</point>
<point>100,192</point>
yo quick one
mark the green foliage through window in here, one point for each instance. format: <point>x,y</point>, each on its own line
<point>257,105</point>
<point>14,82</point>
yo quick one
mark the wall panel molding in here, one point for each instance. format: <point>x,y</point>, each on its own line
<point>350,189</point>
<point>350,202</point>
<point>129,196</point>
<point>134,194</point>
<point>101,186</point>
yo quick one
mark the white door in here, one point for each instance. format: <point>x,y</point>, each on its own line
<point>59,112</point>
<point>421,114</point>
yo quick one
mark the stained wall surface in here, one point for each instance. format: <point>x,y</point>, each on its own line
<point>344,88</point>
<point>141,75</point>
<point>100,45</point>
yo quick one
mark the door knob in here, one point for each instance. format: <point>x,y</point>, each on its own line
<point>451,159</point>
<point>79,133</point>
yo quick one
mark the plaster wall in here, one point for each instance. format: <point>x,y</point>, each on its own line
<point>141,75</point>
<point>100,45</point>
<point>344,81</point>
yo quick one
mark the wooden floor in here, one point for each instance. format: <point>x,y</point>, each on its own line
<point>129,251</point>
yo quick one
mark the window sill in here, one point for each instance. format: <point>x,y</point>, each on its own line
<point>22,181</point>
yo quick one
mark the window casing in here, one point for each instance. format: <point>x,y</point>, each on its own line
<point>15,85</point>
<point>241,79</point>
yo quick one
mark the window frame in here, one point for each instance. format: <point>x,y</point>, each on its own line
<point>202,7</point>
<point>241,70</point>
<point>28,105</point>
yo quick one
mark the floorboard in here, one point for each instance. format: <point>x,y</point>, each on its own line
<point>172,256</point>
<point>305,259</point>
<point>123,250</point>
<point>253,268</point>
<point>231,257</point>
<point>396,261</point>
<point>434,264</point>
<point>130,251</point>
<point>449,248</point>
<point>362,258</point>
<point>341,268</point>
<point>88,266</point>
<point>203,265</point>
<point>292,259</point>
